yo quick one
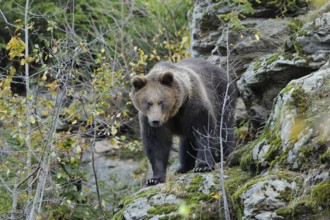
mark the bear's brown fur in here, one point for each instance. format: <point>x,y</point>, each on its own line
<point>184,99</point>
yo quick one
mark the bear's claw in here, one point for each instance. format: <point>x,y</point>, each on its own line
<point>203,169</point>
<point>152,182</point>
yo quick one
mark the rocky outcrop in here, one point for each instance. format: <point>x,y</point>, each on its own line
<point>267,76</point>
<point>296,139</point>
<point>263,33</point>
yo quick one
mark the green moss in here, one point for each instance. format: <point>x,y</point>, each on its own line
<point>281,159</point>
<point>297,48</point>
<point>149,193</point>
<point>163,209</point>
<point>235,157</point>
<point>236,178</point>
<point>294,209</point>
<point>317,198</point>
<point>299,100</point>
<point>325,158</point>
<point>275,148</point>
<point>272,58</point>
<point>285,211</point>
<point>321,195</point>
<point>118,216</point>
<point>288,88</point>
<point>307,150</point>
<point>287,56</point>
<point>196,183</point>
<point>246,162</point>
<point>256,65</point>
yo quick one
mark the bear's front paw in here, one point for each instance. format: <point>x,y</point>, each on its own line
<point>152,182</point>
<point>203,168</point>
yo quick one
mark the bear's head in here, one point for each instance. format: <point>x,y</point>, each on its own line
<point>157,96</point>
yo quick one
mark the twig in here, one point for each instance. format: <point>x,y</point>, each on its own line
<point>93,161</point>
<point>5,19</point>
<point>4,184</point>
<point>14,203</point>
<point>28,177</point>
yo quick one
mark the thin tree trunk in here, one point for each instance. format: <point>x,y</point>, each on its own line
<point>28,96</point>
<point>225,99</point>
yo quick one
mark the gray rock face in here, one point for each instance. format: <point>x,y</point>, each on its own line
<point>316,39</point>
<point>264,197</point>
<point>263,33</point>
<point>264,79</point>
<point>299,124</point>
<point>294,142</point>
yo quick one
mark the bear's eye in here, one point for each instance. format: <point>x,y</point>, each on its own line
<point>160,102</point>
<point>149,104</point>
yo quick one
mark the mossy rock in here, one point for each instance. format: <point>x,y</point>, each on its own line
<point>198,194</point>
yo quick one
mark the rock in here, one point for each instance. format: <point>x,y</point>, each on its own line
<point>195,193</point>
<point>264,79</point>
<point>298,126</point>
<point>263,196</point>
<point>266,76</point>
<point>240,113</point>
<point>316,36</point>
<point>295,142</point>
<point>208,32</point>
<point>261,38</point>
<point>104,146</point>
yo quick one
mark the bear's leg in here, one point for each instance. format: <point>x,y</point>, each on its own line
<point>157,143</point>
<point>205,160</point>
<point>203,134</point>
<point>188,154</point>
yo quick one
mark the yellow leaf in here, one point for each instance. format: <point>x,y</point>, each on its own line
<point>29,59</point>
<point>15,47</point>
<point>216,195</point>
<point>78,148</point>
<point>32,119</point>
<point>44,113</point>
<point>12,70</point>
<point>44,77</point>
<point>18,20</point>
<point>257,37</point>
<point>22,62</point>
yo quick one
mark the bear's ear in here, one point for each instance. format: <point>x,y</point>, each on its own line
<point>167,78</point>
<point>138,82</point>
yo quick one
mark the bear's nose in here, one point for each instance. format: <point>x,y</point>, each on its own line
<point>155,123</point>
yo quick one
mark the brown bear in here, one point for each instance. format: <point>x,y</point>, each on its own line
<point>185,99</point>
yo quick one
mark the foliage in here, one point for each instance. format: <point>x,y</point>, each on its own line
<point>81,57</point>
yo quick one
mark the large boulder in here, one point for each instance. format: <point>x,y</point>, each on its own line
<point>298,129</point>
<point>304,53</point>
<point>265,78</point>
<point>296,139</point>
<point>190,196</point>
